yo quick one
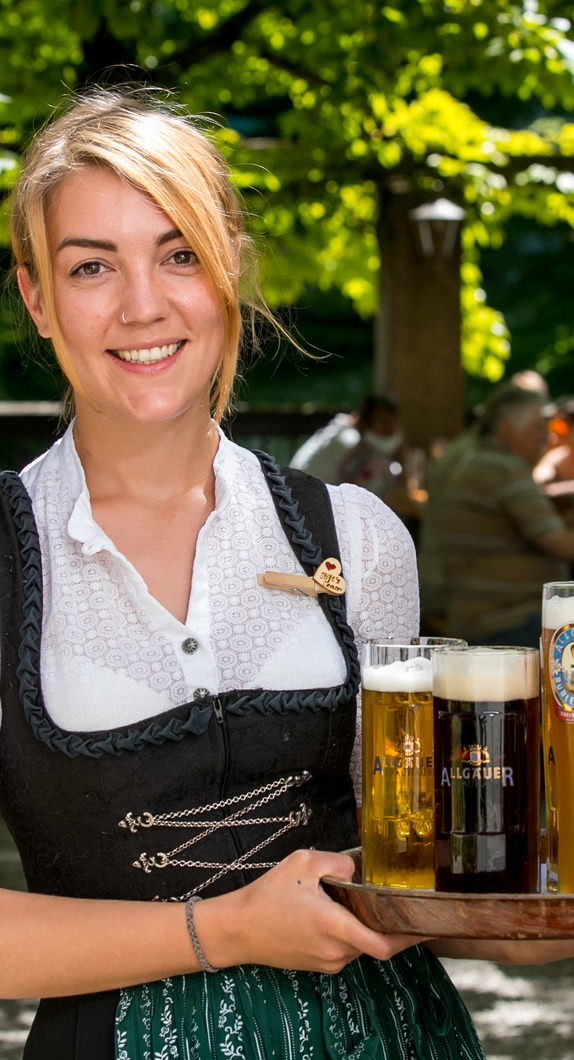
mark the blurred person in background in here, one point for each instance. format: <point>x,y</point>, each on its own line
<point>434,583</point>
<point>499,537</point>
<point>365,448</point>
<point>377,460</point>
<point>556,465</point>
<point>321,454</point>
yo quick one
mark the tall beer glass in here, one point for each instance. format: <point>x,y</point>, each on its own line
<point>487,769</point>
<point>558,731</point>
<point>398,792</point>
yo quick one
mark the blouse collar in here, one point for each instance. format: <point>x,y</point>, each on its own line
<point>82,526</point>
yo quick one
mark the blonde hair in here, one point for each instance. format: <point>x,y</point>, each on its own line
<point>164,153</point>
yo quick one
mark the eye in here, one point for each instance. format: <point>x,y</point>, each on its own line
<point>183,257</point>
<point>88,268</point>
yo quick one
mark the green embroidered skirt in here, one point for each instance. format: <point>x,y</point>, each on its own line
<point>403,1009</point>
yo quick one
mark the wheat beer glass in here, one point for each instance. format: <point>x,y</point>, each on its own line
<point>398,792</point>
<point>487,769</point>
<point>558,732</point>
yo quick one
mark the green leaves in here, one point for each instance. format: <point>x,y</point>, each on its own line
<point>323,103</point>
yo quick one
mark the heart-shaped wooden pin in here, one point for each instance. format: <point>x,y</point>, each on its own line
<point>328,576</point>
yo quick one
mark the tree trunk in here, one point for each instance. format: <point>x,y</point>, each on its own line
<point>417,328</point>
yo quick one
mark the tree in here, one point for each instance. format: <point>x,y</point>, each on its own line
<point>334,109</point>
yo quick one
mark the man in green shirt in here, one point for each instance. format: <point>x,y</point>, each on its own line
<point>500,538</point>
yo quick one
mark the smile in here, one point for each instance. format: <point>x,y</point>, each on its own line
<point>151,356</point>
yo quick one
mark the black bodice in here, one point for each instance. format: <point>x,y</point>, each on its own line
<point>248,775</point>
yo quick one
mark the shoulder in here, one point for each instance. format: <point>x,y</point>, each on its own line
<point>492,458</point>
<point>50,462</point>
<point>379,563</point>
<point>357,511</point>
<point>320,454</point>
<point>489,471</point>
<point>54,482</point>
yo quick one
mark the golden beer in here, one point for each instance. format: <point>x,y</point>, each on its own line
<point>398,784</point>
<point>558,732</point>
<point>398,771</point>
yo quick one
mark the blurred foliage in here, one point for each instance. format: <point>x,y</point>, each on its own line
<point>322,104</point>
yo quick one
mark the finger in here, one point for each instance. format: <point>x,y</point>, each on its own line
<point>365,940</point>
<point>310,866</point>
<point>338,866</point>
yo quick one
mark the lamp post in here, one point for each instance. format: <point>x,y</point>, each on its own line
<point>417,330</point>
<point>438,225</point>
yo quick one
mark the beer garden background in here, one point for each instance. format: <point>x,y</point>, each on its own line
<point>341,117</point>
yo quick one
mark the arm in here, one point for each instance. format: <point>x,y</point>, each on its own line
<point>379,562</point>
<point>505,951</point>
<point>55,946</point>
<point>557,543</point>
<point>535,516</point>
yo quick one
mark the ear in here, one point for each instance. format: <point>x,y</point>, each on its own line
<point>33,300</point>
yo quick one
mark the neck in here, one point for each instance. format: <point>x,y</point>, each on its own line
<point>145,461</point>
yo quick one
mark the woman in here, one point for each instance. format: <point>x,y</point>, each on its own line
<point>186,731</point>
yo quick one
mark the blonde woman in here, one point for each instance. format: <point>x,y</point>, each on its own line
<point>172,729</point>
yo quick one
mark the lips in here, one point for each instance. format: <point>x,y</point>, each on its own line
<point>149,356</point>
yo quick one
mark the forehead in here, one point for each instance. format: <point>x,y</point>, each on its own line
<point>535,414</point>
<point>531,419</point>
<point>96,197</point>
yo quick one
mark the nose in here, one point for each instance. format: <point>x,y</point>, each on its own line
<point>143,300</point>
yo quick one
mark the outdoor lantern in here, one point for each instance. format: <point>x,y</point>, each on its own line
<point>438,224</point>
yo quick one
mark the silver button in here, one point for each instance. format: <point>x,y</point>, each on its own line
<point>190,645</point>
<point>200,693</point>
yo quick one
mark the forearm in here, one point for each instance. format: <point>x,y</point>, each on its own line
<point>505,951</point>
<point>558,543</point>
<point>56,946</point>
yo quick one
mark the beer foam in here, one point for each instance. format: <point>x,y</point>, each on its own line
<point>487,676</point>
<point>408,675</point>
<point>558,611</point>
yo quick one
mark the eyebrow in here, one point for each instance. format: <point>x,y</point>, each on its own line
<point>105,244</point>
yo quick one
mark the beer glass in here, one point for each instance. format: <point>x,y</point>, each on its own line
<point>398,785</point>
<point>558,731</point>
<point>487,769</point>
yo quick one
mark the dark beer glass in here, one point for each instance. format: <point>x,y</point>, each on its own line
<point>487,769</point>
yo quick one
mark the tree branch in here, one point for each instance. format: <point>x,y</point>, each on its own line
<point>221,39</point>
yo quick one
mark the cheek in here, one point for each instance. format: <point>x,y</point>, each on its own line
<point>80,322</point>
<point>206,316</point>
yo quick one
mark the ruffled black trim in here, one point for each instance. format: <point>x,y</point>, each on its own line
<point>190,718</point>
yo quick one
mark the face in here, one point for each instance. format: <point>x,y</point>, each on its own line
<point>139,317</point>
<point>383,421</point>
<point>528,439</point>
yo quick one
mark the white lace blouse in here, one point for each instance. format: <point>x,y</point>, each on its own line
<point>112,655</point>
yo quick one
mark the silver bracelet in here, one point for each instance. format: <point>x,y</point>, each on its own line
<point>207,967</point>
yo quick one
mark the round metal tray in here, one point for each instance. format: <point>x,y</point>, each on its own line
<point>434,914</point>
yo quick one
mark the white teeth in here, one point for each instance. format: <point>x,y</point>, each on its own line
<point>156,353</point>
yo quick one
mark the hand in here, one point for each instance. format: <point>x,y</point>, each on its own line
<point>286,920</point>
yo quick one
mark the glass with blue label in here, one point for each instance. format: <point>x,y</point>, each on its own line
<point>487,769</point>
<point>557,648</point>
<point>397,767</point>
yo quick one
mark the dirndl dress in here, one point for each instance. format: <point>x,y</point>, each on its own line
<point>78,830</point>
<point>402,1009</point>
